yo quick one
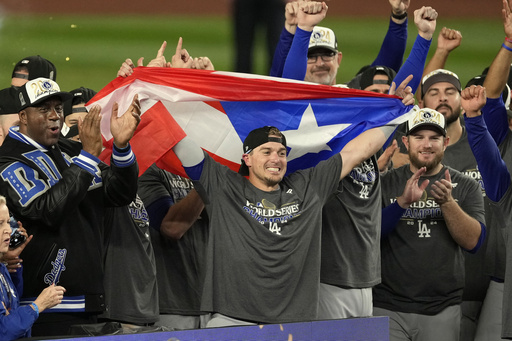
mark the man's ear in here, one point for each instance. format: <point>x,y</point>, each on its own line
<point>22,116</point>
<point>340,55</point>
<point>246,159</point>
<point>405,141</point>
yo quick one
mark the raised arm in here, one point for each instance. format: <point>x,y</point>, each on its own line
<point>310,14</point>
<point>495,175</point>
<point>425,19</point>
<point>393,46</point>
<point>286,39</point>
<point>495,113</point>
<point>447,41</point>
<point>370,141</point>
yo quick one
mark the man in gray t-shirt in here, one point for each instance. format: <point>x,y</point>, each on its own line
<point>263,254</point>
<point>431,212</point>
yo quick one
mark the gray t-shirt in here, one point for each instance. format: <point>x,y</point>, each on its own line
<point>131,293</point>
<point>351,230</point>
<point>263,260</point>
<point>180,263</point>
<point>422,266</point>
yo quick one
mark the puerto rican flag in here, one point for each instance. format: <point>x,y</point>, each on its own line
<point>218,109</point>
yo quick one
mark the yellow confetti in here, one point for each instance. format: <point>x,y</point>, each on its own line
<point>261,326</point>
<point>67,59</point>
<point>281,327</point>
<point>290,337</point>
<point>73,26</point>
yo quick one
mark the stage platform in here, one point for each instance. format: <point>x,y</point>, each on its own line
<point>372,328</point>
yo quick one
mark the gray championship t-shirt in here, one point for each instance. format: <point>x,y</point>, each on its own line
<point>180,263</point>
<point>263,260</point>
<point>351,230</point>
<point>422,266</point>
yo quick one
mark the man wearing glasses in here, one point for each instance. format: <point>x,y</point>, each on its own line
<point>323,57</point>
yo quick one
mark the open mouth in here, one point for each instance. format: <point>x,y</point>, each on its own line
<point>55,130</point>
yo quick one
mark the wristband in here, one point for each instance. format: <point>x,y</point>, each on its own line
<point>506,47</point>
<point>508,39</point>
<point>35,308</point>
<point>399,16</point>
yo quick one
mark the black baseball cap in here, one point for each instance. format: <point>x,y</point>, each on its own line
<point>256,138</point>
<point>37,67</point>
<point>80,95</point>
<point>8,103</point>
<point>369,73</point>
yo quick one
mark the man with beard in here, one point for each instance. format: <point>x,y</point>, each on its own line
<point>440,90</point>
<point>431,213</point>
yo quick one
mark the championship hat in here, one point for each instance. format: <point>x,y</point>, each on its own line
<point>256,138</point>
<point>80,95</point>
<point>37,67</point>
<point>437,76</point>
<point>323,37</point>
<point>8,101</point>
<point>37,91</point>
<point>426,119</point>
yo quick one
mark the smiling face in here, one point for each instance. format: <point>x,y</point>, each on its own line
<point>267,165</point>
<point>43,122</point>
<point>426,149</point>
<point>322,66</point>
<point>5,228</point>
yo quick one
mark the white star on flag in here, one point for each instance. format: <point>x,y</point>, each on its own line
<point>309,137</point>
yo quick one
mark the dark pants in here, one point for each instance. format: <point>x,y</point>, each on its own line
<point>248,15</point>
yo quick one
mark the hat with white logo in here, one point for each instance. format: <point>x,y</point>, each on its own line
<point>426,119</point>
<point>37,91</point>
<point>323,37</point>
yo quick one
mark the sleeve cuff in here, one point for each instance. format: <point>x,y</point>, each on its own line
<point>88,162</point>
<point>123,157</point>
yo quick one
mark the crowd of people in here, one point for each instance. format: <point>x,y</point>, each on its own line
<point>415,230</point>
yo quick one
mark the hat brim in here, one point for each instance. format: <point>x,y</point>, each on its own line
<point>321,47</point>
<point>429,126</point>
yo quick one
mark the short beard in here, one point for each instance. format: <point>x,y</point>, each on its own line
<point>450,118</point>
<point>414,160</point>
